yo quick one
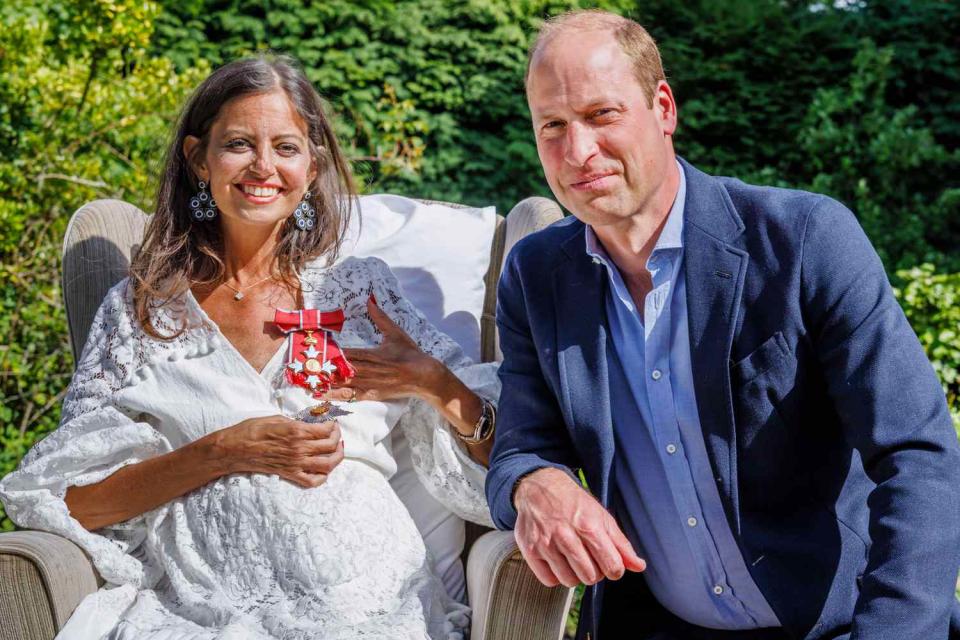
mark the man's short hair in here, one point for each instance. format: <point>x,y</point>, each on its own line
<point>633,39</point>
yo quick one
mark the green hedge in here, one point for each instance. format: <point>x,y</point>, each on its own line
<point>84,114</point>
<point>429,95</point>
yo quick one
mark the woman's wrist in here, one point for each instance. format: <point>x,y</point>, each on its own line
<point>214,454</point>
<point>432,381</point>
<point>446,393</point>
<point>484,427</point>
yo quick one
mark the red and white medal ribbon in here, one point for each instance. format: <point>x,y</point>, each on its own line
<point>314,363</point>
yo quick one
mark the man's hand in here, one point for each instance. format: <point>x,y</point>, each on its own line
<point>566,536</point>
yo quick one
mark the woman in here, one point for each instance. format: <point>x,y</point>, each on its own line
<point>225,463</point>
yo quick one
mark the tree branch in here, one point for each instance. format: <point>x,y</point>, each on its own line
<point>76,180</point>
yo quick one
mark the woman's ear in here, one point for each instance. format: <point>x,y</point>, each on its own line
<point>196,164</point>
<point>312,174</point>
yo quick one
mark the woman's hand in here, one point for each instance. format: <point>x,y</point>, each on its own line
<point>301,452</point>
<point>396,368</point>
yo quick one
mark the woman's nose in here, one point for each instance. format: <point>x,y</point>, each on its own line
<point>263,162</point>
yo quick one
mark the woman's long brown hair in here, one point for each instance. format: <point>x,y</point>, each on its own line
<point>177,252</point>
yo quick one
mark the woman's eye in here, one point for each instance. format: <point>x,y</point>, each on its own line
<point>237,143</point>
<point>288,149</point>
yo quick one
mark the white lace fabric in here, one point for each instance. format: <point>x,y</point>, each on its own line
<point>250,555</point>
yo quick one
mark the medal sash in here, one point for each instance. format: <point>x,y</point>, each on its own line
<point>313,362</point>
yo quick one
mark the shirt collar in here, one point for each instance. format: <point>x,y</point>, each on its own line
<point>671,236</point>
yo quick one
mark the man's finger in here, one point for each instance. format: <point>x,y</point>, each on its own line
<point>572,549</point>
<point>606,555</point>
<point>541,570</point>
<point>631,561</point>
<point>562,569</point>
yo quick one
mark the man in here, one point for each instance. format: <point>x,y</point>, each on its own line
<point>727,366</point>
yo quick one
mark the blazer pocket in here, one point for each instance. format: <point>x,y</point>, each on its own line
<point>761,359</point>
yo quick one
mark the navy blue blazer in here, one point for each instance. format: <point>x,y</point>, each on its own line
<point>826,427</point>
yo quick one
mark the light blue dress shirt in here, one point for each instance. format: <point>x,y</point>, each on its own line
<point>664,493</point>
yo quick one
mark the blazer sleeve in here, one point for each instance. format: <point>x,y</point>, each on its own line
<point>530,427</point>
<point>894,413</point>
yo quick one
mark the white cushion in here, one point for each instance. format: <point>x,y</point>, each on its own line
<point>440,255</point>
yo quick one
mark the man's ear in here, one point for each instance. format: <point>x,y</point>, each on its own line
<point>666,107</point>
<point>196,164</point>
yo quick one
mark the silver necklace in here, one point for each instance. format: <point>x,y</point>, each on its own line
<point>238,294</point>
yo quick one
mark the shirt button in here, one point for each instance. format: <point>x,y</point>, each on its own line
<point>671,449</point>
<point>692,521</point>
<point>718,590</point>
<point>278,394</point>
<point>656,374</point>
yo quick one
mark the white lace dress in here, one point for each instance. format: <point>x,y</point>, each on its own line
<point>252,556</point>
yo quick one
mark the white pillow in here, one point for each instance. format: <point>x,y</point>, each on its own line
<point>440,255</point>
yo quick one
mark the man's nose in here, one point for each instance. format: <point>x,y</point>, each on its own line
<point>581,144</point>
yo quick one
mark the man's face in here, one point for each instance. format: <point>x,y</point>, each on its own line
<point>605,152</point>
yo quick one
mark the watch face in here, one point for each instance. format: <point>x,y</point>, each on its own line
<point>485,421</point>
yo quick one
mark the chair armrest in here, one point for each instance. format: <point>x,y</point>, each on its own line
<point>508,601</point>
<point>527,216</point>
<point>43,578</point>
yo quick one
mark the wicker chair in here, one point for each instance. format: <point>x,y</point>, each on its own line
<point>43,576</point>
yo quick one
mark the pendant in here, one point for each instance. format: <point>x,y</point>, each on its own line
<point>321,413</point>
<point>238,295</point>
<point>320,409</point>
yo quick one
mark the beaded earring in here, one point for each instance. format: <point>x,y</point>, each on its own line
<point>202,206</point>
<point>304,215</point>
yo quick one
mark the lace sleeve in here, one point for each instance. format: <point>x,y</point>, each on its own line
<point>95,439</point>
<point>441,463</point>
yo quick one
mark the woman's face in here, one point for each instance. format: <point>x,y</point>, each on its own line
<point>257,163</point>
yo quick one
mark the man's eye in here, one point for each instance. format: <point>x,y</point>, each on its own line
<point>600,113</point>
<point>554,124</point>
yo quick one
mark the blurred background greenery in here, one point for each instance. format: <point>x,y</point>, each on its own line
<point>854,99</point>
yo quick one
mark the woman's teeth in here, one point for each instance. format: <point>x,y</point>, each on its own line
<point>260,192</point>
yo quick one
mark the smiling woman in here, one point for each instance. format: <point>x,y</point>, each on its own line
<point>225,461</point>
<point>254,127</point>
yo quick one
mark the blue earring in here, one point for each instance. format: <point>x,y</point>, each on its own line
<point>202,206</point>
<point>304,215</point>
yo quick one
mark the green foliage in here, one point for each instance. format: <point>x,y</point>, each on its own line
<point>931,302</point>
<point>429,96</point>
<point>85,115</point>
<point>886,165</point>
<point>743,73</point>
<point>458,65</point>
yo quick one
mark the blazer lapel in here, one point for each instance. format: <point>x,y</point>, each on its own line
<point>579,290</point>
<point>714,272</point>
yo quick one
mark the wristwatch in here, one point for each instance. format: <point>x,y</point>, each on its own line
<point>485,426</point>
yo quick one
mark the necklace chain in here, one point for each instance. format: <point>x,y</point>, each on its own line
<point>238,293</point>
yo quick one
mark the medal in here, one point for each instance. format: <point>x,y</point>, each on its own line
<point>314,363</point>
